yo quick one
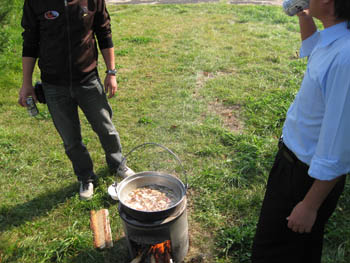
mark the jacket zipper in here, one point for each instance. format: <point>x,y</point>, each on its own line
<point>69,47</point>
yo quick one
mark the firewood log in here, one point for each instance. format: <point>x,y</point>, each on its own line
<point>141,256</point>
<point>99,223</point>
<point>137,259</point>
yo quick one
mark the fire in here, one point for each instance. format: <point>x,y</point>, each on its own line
<point>158,253</point>
<point>161,248</point>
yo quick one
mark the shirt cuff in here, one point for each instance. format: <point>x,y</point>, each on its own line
<point>326,170</point>
<point>308,45</point>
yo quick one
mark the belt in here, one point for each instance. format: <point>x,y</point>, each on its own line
<point>288,154</point>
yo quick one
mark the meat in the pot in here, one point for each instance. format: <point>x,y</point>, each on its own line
<point>151,198</point>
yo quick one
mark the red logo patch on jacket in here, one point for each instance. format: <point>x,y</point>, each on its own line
<point>51,15</point>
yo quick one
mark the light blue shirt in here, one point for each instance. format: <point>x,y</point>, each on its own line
<point>317,126</point>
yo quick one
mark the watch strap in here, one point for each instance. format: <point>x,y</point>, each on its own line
<point>111,72</point>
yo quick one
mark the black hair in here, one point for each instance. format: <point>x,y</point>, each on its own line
<point>342,9</point>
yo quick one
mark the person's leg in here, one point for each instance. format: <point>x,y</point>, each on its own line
<point>274,242</point>
<point>93,102</point>
<point>63,109</point>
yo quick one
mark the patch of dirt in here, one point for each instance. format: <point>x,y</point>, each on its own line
<point>230,114</point>
<point>201,78</point>
<point>200,244</point>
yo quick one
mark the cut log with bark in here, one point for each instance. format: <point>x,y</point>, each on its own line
<point>99,223</point>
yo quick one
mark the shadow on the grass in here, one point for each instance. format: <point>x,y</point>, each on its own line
<point>14,216</point>
<point>117,254</point>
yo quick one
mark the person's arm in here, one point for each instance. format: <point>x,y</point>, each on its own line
<point>110,82</point>
<point>27,90</point>
<point>30,51</point>
<point>304,214</point>
<point>103,31</point>
<point>307,24</point>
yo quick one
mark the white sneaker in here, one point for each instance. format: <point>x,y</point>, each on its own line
<point>125,171</point>
<point>86,190</point>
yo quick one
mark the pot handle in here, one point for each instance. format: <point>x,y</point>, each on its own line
<point>165,148</point>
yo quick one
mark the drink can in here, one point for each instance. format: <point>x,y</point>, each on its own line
<point>31,107</point>
<point>292,7</point>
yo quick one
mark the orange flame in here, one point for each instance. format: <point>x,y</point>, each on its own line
<point>161,252</point>
<point>160,248</point>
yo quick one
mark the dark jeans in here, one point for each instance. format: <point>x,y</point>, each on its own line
<point>63,105</point>
<point>287,185</point>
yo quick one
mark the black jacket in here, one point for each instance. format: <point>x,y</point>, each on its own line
<point>61,33</point>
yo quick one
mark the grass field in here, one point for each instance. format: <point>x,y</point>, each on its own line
<point>212,82</point>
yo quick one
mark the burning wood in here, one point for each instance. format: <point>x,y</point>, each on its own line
<point>138,259</point>
<point>158,253</point>
<point>141,256</point>
<point>166,255</point>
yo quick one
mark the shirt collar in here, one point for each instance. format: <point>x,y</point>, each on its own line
<point>330,34</point>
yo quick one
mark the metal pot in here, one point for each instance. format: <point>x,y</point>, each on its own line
<point>144,179</point>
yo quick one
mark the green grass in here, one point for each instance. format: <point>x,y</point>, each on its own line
<point>181,67</point>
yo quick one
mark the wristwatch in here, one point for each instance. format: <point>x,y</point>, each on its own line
<point>111,72</point>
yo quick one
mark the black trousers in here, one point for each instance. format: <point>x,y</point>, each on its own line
<point>287,185</point>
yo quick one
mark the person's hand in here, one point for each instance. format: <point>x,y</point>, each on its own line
<point>111,85</point>
<point>302,218</point>
<point>303,13</point>
<point>25,92</point>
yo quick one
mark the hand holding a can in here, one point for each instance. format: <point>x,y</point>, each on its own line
<point>293,7</point>
<point>304,13</point>
<point>27,99</point>
<point>306,23</point>
<point>25,92</point>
